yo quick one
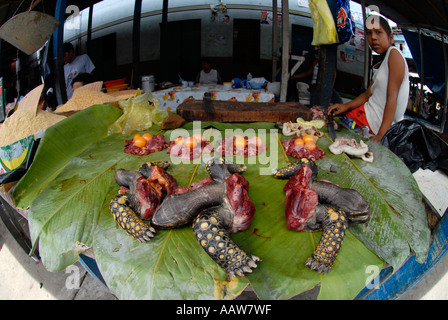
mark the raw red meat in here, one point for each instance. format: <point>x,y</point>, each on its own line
<point>300,152</point>
<point>184,152</point>
<point>237,193</point>
<point>227,147</point>
<point>157,143</point>
<point>300,200</point>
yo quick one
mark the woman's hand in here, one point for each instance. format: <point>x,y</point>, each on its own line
<point>376,138</point>
<point>338,108</point>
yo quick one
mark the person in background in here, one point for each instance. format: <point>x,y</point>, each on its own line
<point>74,65</point>
<point>207,75</point>
<point>81,80</point>
<point>384,102</point>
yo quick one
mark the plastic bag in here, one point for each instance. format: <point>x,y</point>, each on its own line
<point>16,158</point>
<point>323,23</point>
<point>417,146</point>
<point>345,25</point>
<point>139,113</point>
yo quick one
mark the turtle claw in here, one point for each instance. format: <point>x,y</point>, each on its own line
<point>317,265</point>
<point>218,245</point>
<point>147,235</point>
<point>247,269</point>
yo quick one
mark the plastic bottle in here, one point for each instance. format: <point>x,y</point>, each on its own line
<point>249,77</point>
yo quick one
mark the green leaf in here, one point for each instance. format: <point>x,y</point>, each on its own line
<point>173,266</point>
<point>398,223</point>
<point>72,213</point>
<point>59,144</point>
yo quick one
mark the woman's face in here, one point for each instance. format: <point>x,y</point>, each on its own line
<point>206,67</point>
<point>379,40</point>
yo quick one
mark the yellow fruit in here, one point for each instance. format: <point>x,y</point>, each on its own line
<point>147,137</point>
<point>139,142</point>
<point>190,142</point>
<point>310,146</point>
<point>179,140</point>
<point>308,138</point>
<point>239,142</point>
<point>198,137</point>
<point>299,142</point>
<point>257,141</point>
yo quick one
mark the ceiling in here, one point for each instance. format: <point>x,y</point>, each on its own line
<point>429,14</point>
<point>9,7</point>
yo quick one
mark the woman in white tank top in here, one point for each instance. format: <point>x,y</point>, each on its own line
<point>384,102</point>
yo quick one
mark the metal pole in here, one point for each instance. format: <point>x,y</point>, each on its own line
<point>89,30</point>
<point>136,80</point>
<point>274,40</point>
<point>366,48</point>
<point>443,125</point>
<point>422,73</point>
<point>285,50</point>
<point>58,41</point>
<point>163,40</point>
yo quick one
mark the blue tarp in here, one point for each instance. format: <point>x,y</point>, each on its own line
<point>434,67</point>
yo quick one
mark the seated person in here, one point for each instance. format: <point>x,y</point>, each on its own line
<point>385,101</point>
<point>81,80</point>
<point>207,75</point>
<point>74,65</point>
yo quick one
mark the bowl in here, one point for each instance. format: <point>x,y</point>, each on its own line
<point>227,85</point>
<point>256,85</point>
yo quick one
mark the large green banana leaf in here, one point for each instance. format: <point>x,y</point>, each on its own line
<point>72,213</point>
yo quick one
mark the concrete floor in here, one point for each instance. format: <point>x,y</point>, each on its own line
<point>22,278</point>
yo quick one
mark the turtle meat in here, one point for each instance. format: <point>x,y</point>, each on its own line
<point>217,206</point>
<point>139,196</point>
<point>320,205</point>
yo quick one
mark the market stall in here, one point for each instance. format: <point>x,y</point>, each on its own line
<point>67,191</point>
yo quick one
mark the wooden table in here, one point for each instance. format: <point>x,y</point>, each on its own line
<point>235,111</point>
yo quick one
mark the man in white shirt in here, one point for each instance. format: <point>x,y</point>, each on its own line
<point>74,65</point>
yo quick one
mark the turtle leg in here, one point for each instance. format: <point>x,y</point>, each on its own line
<point>291,169</point>
<point>213,169</point>
<point>216,242</point>
<point>145,168</point>
<point>129,220</point>
<point>334,227</point>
